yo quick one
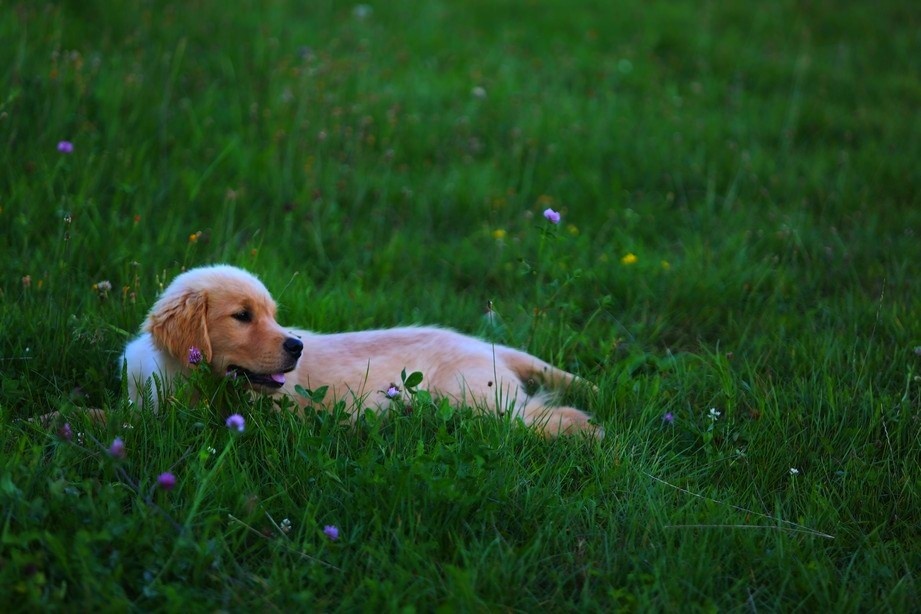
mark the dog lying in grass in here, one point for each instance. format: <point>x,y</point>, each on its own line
<point>225,316</point>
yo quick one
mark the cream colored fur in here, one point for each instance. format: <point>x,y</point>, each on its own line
<point>198,309</point>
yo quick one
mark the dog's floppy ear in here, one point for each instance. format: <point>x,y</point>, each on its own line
<point>180,321</point>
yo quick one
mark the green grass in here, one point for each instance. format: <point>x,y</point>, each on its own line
<point>762,166</point>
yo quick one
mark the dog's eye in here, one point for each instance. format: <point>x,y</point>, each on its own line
<point>243,316</point>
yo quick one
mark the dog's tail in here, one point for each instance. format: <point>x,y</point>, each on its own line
<point>531,369</point>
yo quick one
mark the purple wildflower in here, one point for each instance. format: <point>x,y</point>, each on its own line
<point>65,432</point>
<point>117,449</point>
<point>552,216</point>
<point>331,531</point>
<point>668,418</point>
<point>166,481</point>
<point>66,147</point>
<point>236,422</point>
<point>195,356</point>
<point>392,392</point>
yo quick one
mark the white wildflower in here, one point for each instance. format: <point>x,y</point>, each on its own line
<point>361,11</point>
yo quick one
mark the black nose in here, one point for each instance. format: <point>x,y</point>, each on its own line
<point>293,346</point>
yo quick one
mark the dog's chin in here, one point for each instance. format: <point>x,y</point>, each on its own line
<point>270,381</point>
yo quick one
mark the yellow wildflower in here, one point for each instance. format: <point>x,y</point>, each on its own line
<point>629,259</point>
<point>498,234</point>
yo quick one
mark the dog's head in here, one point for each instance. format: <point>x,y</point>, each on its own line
<point>229,316</point>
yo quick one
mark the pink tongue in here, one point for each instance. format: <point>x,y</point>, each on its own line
<point>278,378</point>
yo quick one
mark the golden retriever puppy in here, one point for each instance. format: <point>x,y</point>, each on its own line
<point>229,316</point>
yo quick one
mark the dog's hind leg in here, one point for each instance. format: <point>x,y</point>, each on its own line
<point>532,369</point>
<point>555,421</point>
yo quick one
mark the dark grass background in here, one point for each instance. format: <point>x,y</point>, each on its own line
<point>388,164</point>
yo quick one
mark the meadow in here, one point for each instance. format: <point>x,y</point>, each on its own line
<point>736,268</point>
